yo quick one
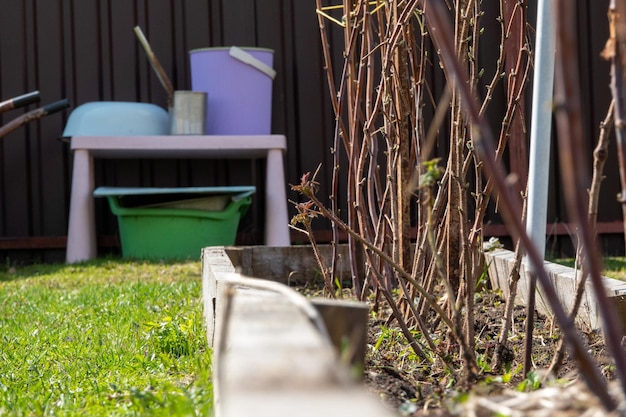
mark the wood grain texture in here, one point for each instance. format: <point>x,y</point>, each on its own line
<point>269,349</point>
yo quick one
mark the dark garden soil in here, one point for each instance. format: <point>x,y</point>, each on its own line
<point>413,388</point>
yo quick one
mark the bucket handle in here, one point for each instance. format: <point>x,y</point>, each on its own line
<point>247,58</point>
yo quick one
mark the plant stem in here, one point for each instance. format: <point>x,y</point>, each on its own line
<point>440,30</point>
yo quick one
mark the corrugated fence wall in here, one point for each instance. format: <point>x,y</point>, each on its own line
<point>85,50</point>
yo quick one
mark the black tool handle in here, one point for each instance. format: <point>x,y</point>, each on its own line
<point>19,101</point>
<point>56,106</point>
<point>32,115</point>
<point>26,99</point>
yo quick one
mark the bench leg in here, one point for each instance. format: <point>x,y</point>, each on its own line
<point>276,216</point>
<point>81,234</point>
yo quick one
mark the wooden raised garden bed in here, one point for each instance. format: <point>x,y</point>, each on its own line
<point>275,352</point>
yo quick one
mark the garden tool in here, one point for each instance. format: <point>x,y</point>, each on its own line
<point>32,115</point>
<point>19,101</point>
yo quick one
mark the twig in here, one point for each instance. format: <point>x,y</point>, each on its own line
<point>600,155</point>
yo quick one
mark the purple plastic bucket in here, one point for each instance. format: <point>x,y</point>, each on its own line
<point>239,95</point>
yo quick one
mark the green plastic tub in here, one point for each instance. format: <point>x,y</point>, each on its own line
<point>151,227</point>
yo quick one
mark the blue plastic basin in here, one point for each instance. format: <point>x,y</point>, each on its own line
<point>117,118</point>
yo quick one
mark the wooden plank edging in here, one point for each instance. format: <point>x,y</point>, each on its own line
<point>500,262</point>
<point>272,355</point>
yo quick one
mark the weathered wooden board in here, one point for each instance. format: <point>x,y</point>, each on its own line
<point>500,263</point>
<point>328,401</point>
<point>272,352</point>
<point>346,323</point>
<point>295,264</point>
<point>215,263</point>
<point>264,340</point>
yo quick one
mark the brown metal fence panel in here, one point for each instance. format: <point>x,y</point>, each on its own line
<point>85,50</point>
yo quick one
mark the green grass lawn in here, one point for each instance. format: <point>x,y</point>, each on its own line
<point>104,338</point>
<point>613,267</point>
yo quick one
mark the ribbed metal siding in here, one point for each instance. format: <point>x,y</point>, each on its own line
<point>85,50</point>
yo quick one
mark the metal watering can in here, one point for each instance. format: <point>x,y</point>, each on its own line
<point>187,109</point>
